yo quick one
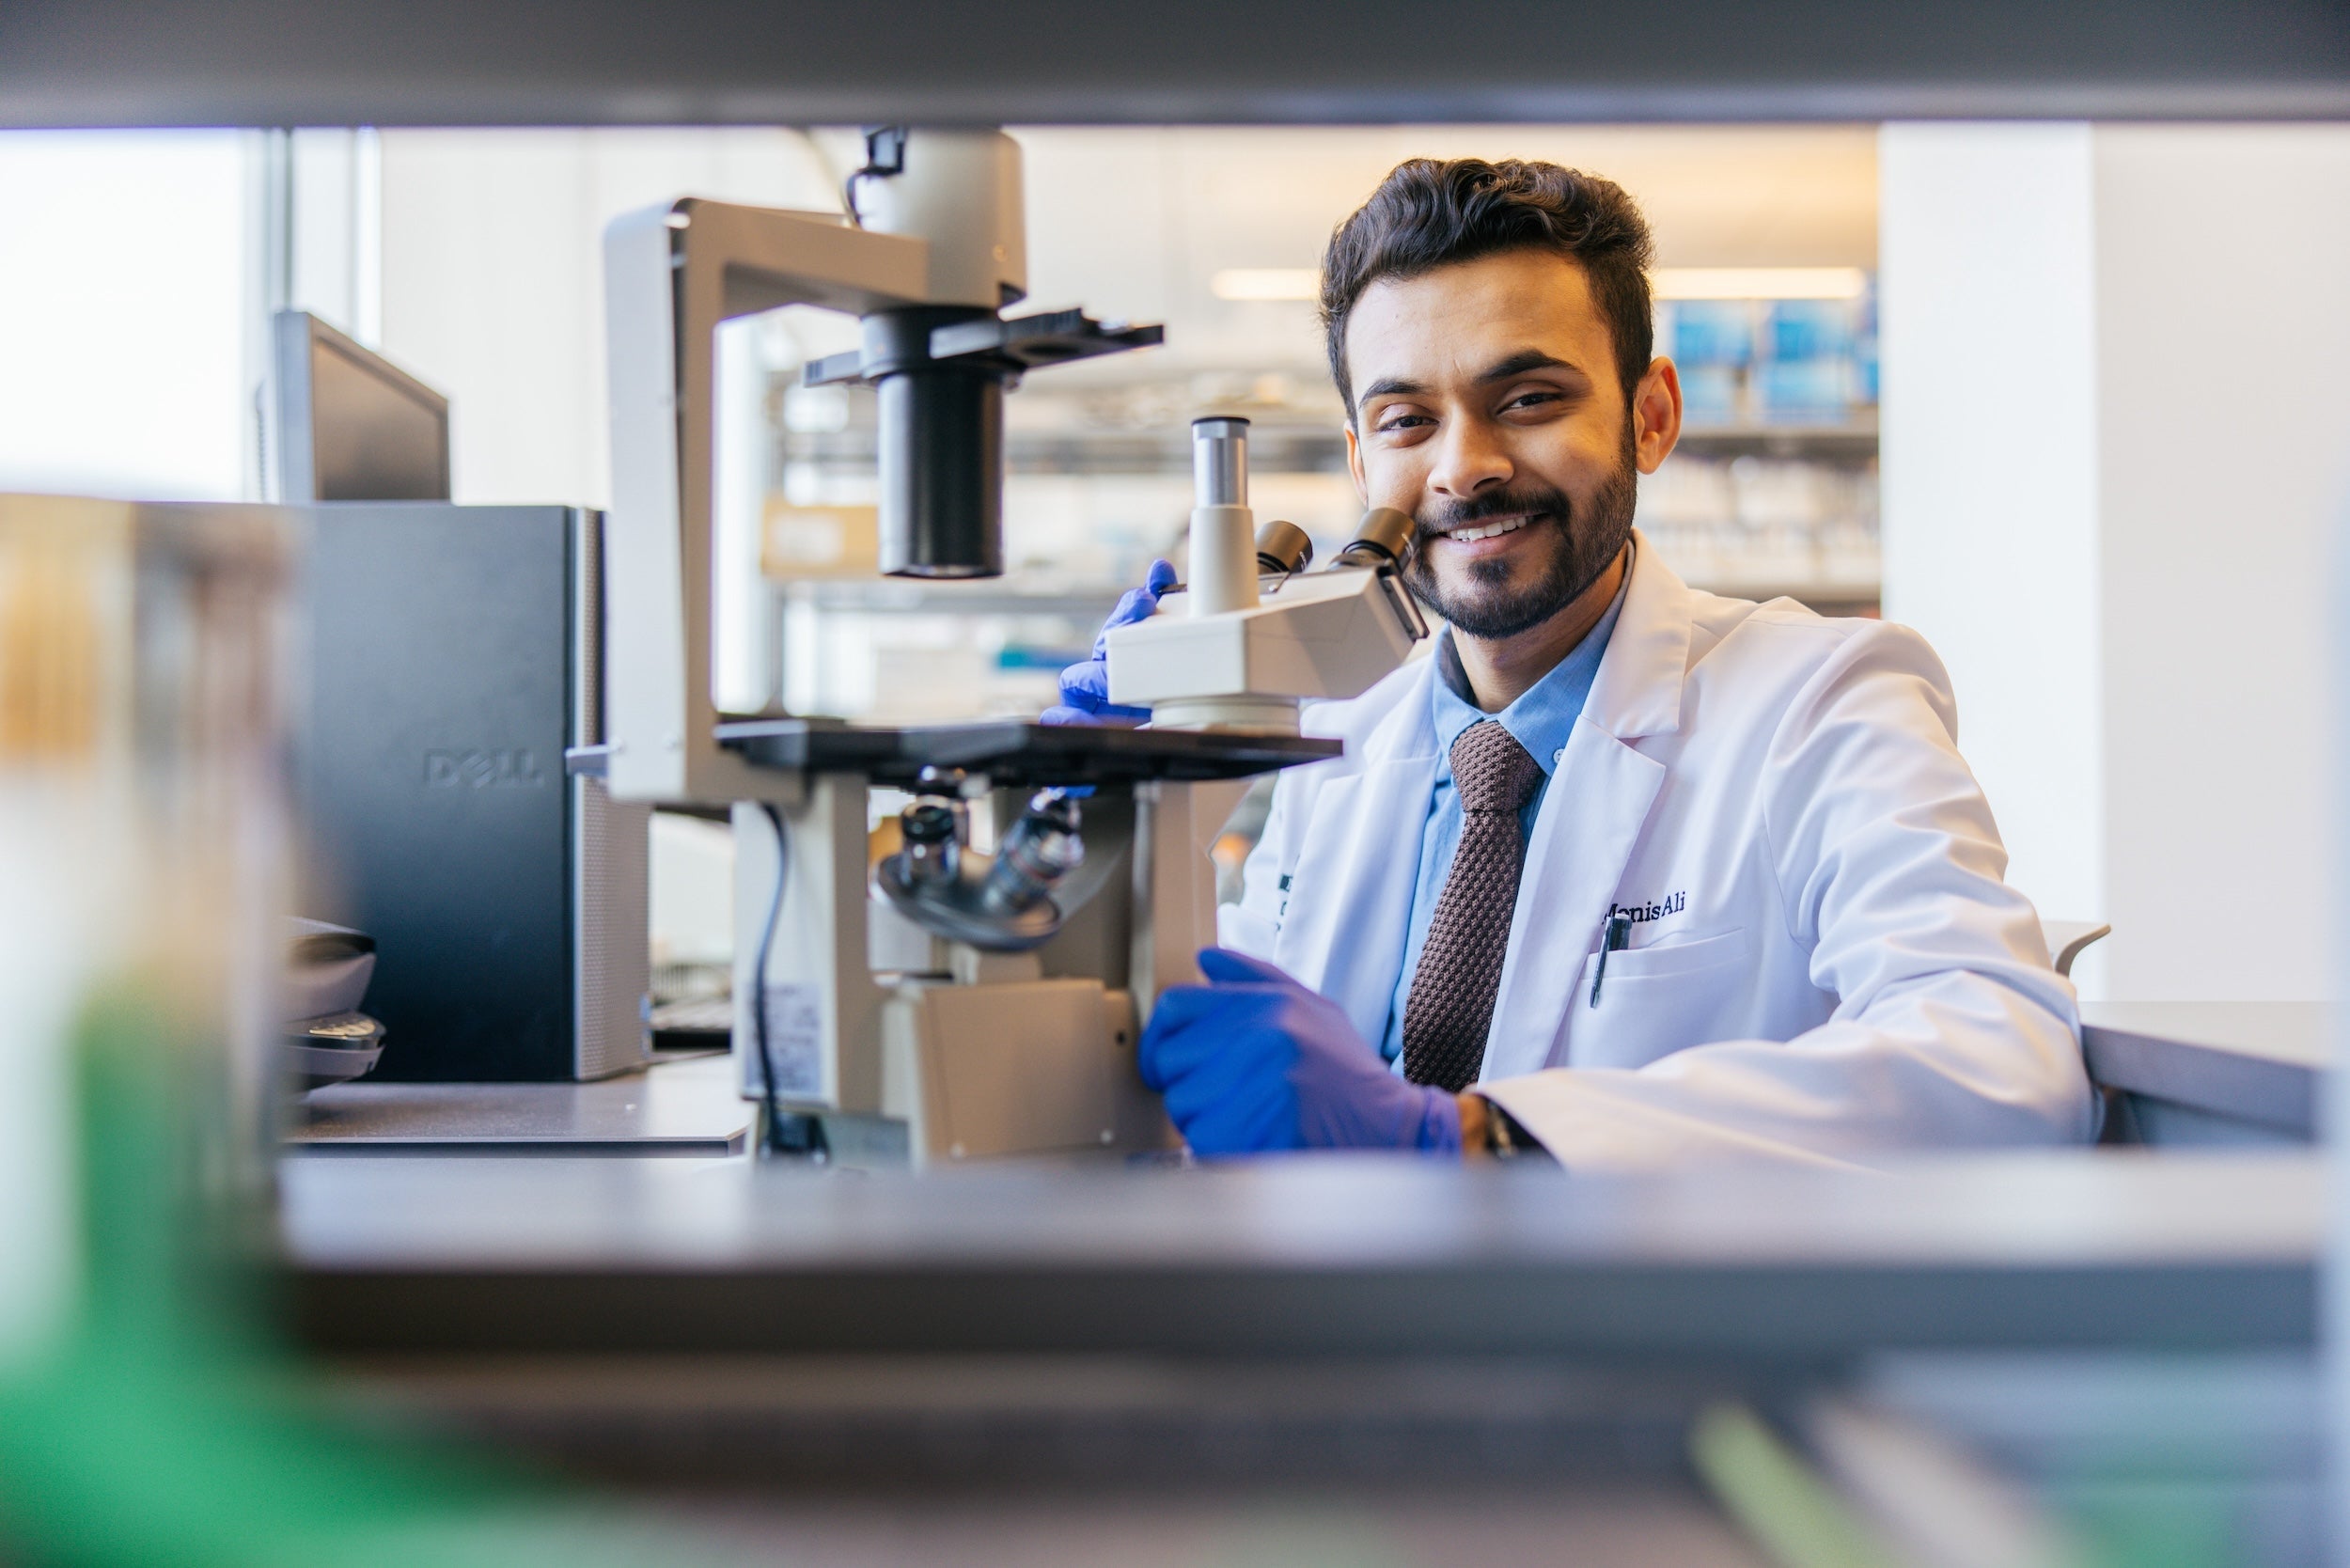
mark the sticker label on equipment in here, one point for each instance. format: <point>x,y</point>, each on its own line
<point>796,1038</point>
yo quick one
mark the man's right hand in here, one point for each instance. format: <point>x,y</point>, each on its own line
<point>1085,689</point>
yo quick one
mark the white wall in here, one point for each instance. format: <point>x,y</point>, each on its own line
<point>492,277</point>
<point>123,356</point>
<point>2114,509</point>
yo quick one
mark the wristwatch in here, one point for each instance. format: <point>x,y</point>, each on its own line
<point>1504,1138</point>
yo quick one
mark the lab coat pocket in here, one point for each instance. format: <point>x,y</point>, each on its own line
<point>1654,1001</point>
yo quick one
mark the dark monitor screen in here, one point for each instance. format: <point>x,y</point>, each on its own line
<point>353,425</point>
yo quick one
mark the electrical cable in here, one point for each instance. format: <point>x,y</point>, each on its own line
<point>846,187</point>
<point>758,980</point>
<point>811,1141</point>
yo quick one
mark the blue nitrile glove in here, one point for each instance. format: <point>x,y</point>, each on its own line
<point>1085,689</point>
<point>1253,1061</point>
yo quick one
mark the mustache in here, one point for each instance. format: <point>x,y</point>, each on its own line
<point>1433,523</point>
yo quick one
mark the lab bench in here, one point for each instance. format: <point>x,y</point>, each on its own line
<point>688,1107</point>
<point>2210,1072</point>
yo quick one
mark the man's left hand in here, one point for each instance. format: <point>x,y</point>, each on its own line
<point>1085,688</point>
<point>1254,1062</point>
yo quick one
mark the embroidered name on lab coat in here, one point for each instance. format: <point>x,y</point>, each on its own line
<point>1673,905</point>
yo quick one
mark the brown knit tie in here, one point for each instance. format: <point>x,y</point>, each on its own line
<point>1451,1002</point>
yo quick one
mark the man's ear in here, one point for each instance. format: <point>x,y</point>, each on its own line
<point>1355,464</point>
<point>1655,415</point>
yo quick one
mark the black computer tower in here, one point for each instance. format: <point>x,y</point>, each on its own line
<point>449,655</point>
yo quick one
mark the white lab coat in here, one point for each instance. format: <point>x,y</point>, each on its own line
<point>1834,969</point>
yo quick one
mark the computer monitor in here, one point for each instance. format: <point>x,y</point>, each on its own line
<point>350,425</point>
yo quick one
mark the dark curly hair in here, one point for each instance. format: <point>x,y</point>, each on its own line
<point>1427,214</point>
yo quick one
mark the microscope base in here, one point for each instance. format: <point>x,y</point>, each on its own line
<point>1035,1067</point>
<point>985,1072</point>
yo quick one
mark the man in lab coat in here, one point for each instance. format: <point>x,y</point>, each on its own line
<point>1627,873</point>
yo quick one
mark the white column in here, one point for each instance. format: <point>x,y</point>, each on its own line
<point>335,193</point>
<point>1986,283</point>
<point>2114,463</point>
<point>2223,295</point>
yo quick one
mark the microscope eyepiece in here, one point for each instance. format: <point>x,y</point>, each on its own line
<point>1283,549</point>
<point>1219,462</point>
<point>1382,539</point>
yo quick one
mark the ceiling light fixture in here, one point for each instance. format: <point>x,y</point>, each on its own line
<point>1757,283</point>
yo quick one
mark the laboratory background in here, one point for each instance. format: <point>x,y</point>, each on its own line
<point>393,1166</point>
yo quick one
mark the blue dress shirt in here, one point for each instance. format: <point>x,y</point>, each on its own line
<point>1541,719</point>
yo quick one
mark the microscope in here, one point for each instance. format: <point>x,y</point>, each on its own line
<point>974,985</point>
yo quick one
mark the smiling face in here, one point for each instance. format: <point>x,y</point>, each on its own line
<point>1489,408</point>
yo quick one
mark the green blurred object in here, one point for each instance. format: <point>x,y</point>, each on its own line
<point>162,1429</point>
<point>149,1415</point>
<point>1778,1499</point>
<point>2167,1524</point>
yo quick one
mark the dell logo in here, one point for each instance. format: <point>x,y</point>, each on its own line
<point>481,770</point>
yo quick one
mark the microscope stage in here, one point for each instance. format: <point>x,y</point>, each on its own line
<point>1013,754</point>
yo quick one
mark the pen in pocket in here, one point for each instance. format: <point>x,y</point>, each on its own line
<point>1619,935</point>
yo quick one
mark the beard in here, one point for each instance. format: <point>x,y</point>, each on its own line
<point>1583,541</point>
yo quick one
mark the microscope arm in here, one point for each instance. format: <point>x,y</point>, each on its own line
<point>672,275</point>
